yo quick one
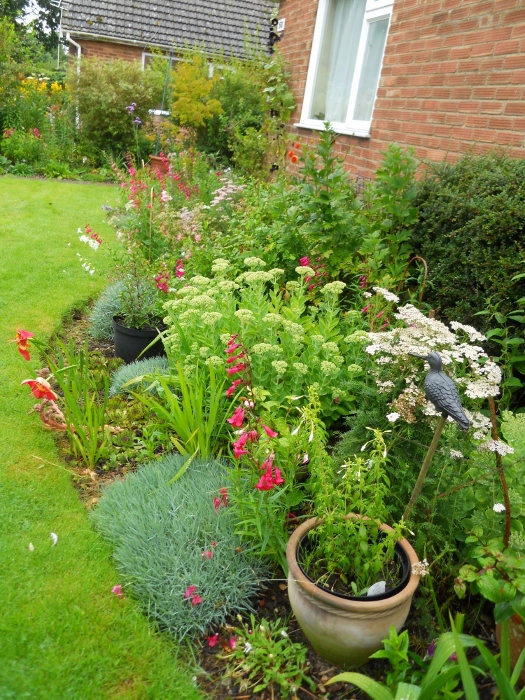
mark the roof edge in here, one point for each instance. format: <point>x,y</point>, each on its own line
<point>142,44</point>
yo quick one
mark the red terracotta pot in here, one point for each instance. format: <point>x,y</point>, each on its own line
<point>517,642</point>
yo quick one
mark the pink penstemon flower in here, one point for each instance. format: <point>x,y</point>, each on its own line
<point>236,368</point>
<point>117,590</point>
<point>231,389</point>
<point>271,433</point>
<point>237,419</point>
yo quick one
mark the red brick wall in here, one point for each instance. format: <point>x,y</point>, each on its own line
<point>453,79</point>
<point>107,50</point>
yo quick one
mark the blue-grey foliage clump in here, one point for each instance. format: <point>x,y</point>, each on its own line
<point>160,531</point>
<point>127,373</point>
<point>107,305</point>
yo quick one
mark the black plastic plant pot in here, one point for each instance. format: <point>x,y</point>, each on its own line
<point>402,564</point>
<point>130,343</point>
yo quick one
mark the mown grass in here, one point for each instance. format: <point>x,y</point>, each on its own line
<point>63,634</point>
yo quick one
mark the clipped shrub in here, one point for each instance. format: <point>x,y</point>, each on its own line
<point>106,306</point>
<point>470,232</point>
<point>175,547</point>
<point>131,372</point>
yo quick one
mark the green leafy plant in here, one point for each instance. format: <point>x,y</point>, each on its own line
<point>263,656</point>
<point>175,546</point>
<point>196,417</point>
<point>349,553</point>
<point>84,409</point>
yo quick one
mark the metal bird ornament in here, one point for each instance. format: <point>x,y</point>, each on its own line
<point>441,390</point>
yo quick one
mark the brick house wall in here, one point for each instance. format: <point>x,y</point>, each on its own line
<point>108,50</point>
<point>453,79</point>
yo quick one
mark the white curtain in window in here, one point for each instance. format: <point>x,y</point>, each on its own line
<point>375,46</point>
<point>337,58</point>
<point>348,23</point>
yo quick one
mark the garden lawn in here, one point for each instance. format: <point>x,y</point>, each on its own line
<point>63,634</point>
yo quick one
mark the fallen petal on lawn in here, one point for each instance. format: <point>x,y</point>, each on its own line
<point>54,537</point>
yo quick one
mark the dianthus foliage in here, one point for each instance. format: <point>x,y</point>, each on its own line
<point>175,547</point>
<point>106,306</point>
<point>470,232</point>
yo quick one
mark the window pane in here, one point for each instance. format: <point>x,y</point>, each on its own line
<point>375,45</point>
<point>337,58</point>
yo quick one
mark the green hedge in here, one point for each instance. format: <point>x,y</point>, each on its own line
<point>471,232</point>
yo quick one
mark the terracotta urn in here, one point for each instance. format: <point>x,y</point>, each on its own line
<point>346,631</point>
<point>517,642</point>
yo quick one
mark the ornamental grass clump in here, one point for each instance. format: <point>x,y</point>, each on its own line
<point>132,377</point>
<point>175,546</point>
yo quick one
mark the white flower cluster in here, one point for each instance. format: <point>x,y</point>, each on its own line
<point>304,271</point>
<point>91,242</point>
<point>254,262</point>
<point>498,508</point>
<point>219,265</point>
<point>421,335</point>
<point>389,296</point>
<point>333,288</point>
<point>456,454</point>
<point>421,568</point>
<point>496,446</point>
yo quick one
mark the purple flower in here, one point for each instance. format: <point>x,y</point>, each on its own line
<point>137,120</point>
<point>131,107</point>
<point>431,649</point>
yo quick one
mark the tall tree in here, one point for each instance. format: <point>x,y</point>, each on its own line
<point>45,18</point>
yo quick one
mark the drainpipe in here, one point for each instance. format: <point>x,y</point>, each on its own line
<point>79,56</point>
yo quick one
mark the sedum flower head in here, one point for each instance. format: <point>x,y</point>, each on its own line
<point>354,369</point>
<point>255,276</point>
<point>273,319</point>
<point>304,271</point>
<point>200,281</point>
<point>292,285</point>
<point>300,368</point>
<point>245,315</point>
<point>215,361</point>
<point>254,262</point>
<point>357,338</point>
<point>328,367</point>
<point>227,286</point>
<point>280,366</point>
<point>210,318</point>
<point>265,348</point>
<point>330,348</point>
<point>333,288</point>
<point>219,265</point>
<point>202,301</point>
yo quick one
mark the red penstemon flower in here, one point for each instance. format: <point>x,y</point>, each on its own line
<point>238,417</point>
<point>271,433</point>
<point>231,389</point>
<point>236,368</point>
<point>41,389</point>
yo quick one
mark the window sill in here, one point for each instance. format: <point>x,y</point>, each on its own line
<point>338,128</point>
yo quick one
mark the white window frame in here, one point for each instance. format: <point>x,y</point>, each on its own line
<point>375,10</point>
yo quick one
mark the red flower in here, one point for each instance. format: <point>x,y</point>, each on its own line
<point>278,478</point>
<point>294,159</point>
<point>232,388</point>
<point>96,238</point>
<point>271,433</point>
<point>365,309</point>
<point>189,592</point>
<point>236,368</point>
<point>230,360</point>
<point>253,435</point>
<point>232,347</point>
<point>232,643</point>
<point>265,483</point>
<point>238,446</point>
<point>297,145</point>
<point>196,599</point>
<point>238,417</point>
<point>213,639</point>
<point>291,154</point>
<point>304,261</point>
<point>41,389</point>
<point>117,590</point>
<point>207,554</point>
<point>219,501</point>
<point>21,339</point>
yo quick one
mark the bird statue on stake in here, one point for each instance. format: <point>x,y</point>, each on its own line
<point>442,392</point>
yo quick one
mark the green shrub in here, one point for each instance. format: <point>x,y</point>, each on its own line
<point>163,531</point>
<point>130,372</point>
<point>104,90</point>
<point>471,233</point>
<point>23,147</point>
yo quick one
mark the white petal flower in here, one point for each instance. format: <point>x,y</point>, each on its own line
<point>31,547</point>
<point>54,537</point>
<point>498,508</point>
<point>392,417</point>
